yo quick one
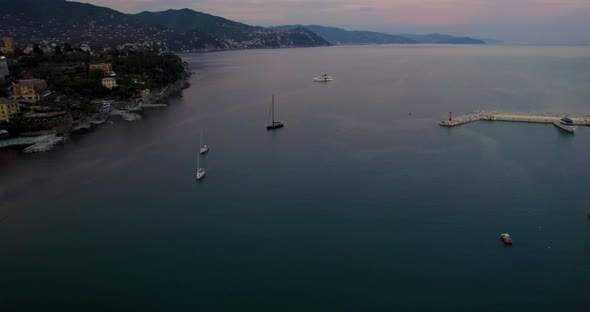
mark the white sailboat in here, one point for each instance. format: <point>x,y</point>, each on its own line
<point>200,171</point>
<point>203,148</point>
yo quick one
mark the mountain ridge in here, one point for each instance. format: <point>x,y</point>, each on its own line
<point>342,36</point>
<point>60,21</point>
<point>442,39</point>
<point>232,34</point>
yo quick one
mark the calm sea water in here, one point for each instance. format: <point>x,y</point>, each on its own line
<point>362,202</point>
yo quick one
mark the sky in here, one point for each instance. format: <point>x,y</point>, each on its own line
<point>514,21</point>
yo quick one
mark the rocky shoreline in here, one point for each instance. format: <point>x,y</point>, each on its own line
<point>128,111</point>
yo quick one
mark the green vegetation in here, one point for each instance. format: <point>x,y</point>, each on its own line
<point>85,108</point>
<point>77,86</point>
<point>74,87</point>
<point>155,70</point>
<point>67,73</point>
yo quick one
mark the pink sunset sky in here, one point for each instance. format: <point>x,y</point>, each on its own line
<point>515,21</point>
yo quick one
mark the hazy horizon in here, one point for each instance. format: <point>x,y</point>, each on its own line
<point>514,21</point>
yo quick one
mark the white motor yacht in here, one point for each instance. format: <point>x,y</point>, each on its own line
<point>565,124</point>
<point>323,78</point>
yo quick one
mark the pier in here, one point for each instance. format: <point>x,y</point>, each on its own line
<point>547,118</point>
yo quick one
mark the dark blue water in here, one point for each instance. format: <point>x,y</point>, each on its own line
<point>362,202</point>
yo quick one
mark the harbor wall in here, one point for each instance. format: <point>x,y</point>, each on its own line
<point>512,117</point>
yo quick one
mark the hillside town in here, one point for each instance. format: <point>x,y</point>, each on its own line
<point>48,94</point>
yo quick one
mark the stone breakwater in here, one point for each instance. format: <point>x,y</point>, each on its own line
<point>45,144</point>
<point>41,143</point>
<point>514,117</point>
<point>126,115</point>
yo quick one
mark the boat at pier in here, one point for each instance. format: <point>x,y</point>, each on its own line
<point>566,124</point>
<point>323,78</point>
<point>505,237</point>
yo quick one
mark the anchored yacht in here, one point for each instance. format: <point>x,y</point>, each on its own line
<point>200,171</point>
<point>323,78</point>
<point>505,237</point>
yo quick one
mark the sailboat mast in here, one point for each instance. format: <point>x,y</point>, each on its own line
<point>273,109</point>
<point>199,152</point>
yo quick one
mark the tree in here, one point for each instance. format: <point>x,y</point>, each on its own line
<point>16,53</point>
<point>68,48</point>
<point>37,50</point>
<point>95,74</point>
<point>58,50</point>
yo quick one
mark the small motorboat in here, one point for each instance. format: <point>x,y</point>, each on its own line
<point>323,78</point>
<point>204,149</point>
<point>505,237</point>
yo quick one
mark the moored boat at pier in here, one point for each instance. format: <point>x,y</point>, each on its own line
<point>566,124</point>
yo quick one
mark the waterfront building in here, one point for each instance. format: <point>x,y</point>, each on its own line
<point>145,94</point>
<point>106,68</point>
<point>109,83</point>
<point>29,90</point>
<point>4,115</point>
<point>86,49</point>
<point>8,109</point>
<point>7,45</point>
<point>4,72</point>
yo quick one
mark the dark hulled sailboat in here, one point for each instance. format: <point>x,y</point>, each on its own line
<point>273,124</point>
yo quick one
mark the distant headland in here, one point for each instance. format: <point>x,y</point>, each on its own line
<point>184,30</point>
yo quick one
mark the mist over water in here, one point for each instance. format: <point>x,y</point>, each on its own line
<point>362,202</point>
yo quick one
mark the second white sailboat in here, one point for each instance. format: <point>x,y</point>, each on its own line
<point>200,171</point>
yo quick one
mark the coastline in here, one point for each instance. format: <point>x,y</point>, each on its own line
<point>129,110</point>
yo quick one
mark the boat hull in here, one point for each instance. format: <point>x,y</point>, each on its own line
<point>200,173</point>
<point>322,79</point>
<point>506,238</point>
<point>275,126</point>
<point>570,129</point>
